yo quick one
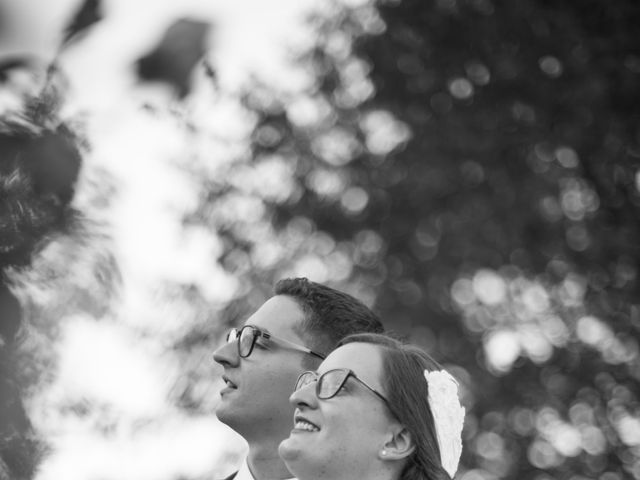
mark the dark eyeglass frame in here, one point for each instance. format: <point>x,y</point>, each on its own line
<point>309,376</point>
<point>235,334</point>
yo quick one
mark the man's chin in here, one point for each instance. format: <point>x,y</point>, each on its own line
<point>226,413</point>
<point>238,420</point>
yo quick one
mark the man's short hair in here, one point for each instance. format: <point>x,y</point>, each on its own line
<point>329,315</point>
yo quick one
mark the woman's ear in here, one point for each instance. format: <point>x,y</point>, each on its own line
<point>399,446</point>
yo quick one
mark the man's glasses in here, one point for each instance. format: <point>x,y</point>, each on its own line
<point>329,383</point>
<point>247,336</point>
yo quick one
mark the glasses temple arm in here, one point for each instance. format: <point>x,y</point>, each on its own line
<point>292,345</point>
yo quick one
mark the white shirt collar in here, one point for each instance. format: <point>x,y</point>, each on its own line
<point>245,474</point>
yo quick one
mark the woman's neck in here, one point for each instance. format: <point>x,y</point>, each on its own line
<point>370,471</point>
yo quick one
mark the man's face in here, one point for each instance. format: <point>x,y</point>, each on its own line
<point>254,401</point>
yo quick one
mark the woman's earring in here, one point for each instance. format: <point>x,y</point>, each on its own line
<point>383,452</point>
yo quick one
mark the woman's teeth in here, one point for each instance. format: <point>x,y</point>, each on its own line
<point>309,427</point>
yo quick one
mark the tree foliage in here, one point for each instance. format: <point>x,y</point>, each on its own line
<point>40,160</point>
<point>39,167</point>
<point>478,162</point>
<point>470,167</point>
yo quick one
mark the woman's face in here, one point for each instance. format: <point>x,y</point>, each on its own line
<point>344,435</point>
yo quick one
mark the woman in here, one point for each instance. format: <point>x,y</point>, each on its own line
<point>376,409</point>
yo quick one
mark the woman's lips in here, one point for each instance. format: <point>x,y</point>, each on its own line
<point>303,424</point>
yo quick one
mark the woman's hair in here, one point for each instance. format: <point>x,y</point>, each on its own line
<point>407,391</point>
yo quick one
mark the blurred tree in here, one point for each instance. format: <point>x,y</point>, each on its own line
<point>172,61</point>
<point>477,163</point>
<point>40,160</point>
<point>471,166</point>
<point>87,15</point>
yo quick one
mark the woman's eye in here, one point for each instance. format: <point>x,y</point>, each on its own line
<point>344,389</point>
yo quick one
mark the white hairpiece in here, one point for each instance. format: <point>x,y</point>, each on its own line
<point>448,417</point>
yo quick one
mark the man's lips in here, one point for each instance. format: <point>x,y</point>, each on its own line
<point>301,423</point>
<point>229,384</point>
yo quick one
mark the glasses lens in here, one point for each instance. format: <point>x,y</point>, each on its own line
<point>305,379</point>
<point>232,336</point>
<point>247,334</point>
<point>331,382</point>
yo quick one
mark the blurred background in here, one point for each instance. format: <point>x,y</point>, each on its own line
<point>469,168</point>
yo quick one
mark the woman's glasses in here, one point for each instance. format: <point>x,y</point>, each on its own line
<point>247,336</point>
<point>329,383</point>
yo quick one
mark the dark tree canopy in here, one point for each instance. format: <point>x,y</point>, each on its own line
<point>500,142</point>
<point>472,165</point>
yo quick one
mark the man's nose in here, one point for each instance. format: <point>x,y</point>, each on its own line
<point>305,396</point>
<point>227,355</point>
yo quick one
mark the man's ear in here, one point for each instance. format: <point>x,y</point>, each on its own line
<point>399,446</point>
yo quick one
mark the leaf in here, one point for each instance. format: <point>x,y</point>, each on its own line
<point>38,173</point>
<point>54,161</point>
<point>173,60</point>
<point>88,14</point>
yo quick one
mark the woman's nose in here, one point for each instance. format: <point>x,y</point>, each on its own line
<point>305,396</point>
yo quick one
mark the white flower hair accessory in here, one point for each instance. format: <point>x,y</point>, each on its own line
<point>448,417</point>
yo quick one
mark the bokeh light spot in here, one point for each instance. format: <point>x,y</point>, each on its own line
<point>523,420</point>
<point>538,348</point>
<point>326,183</point>
<point>502,349</point>
<point>550,209</point>
<point>462,292</point>
<point>308,112</point>
<point>490,445</point>
<point>383,131</point>
<point>592,330</point>
<point>593,440</point>
<point>629,430</point>
<point>566,439</point>
<point>567,157</point>
<point>578,238</point>
<point>542,455</point>
<point>489,287</point>
<point>478,73</point>
<point>354,200</point>
<point>337,146</point>
<point>551,66</point>
<point>461,88</point>
<point>536,299</point>
<point>477,474</point>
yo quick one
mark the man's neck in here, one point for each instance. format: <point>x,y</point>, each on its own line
<point>265,463</point>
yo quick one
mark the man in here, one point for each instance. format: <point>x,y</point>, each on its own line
<point>291,332</point>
